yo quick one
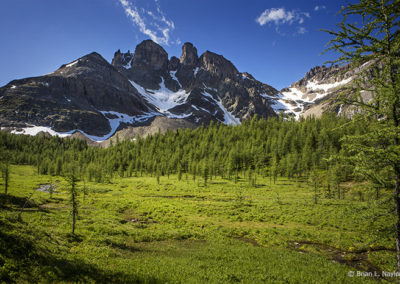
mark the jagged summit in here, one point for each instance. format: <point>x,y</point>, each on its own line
<point>122,59</point>
<point>92,96</point>
<point>189,55</point>
<point>149,54</point>
<point>218,65</point>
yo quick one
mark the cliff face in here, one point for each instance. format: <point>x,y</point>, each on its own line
<point>317,92</point>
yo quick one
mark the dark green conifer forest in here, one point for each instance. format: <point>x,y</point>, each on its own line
<point>273,147</point>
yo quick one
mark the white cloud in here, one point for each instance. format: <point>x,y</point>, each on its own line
<point>317,8</point>
<point>280,16</point>
<point>154,24</point>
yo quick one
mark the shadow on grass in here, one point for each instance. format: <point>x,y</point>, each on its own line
<point>22,260</point>
<point>10,200</point>
<point>21,204</point>
<point>122,246</point>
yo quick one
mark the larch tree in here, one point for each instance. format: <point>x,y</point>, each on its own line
<point>369,38</point>
<point>72,173</point>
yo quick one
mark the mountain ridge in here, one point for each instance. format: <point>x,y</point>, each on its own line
<point>97,99</point>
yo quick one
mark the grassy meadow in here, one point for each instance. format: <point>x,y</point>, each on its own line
<point>138,230</point>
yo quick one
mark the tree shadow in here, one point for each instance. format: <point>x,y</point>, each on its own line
<point>122,246</point>
<point>7,200</point>
<point>32,263</point>
<point>21,204</point>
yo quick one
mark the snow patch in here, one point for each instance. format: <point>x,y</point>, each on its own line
<point>315,86</point>
<point>293,100</point>
<point>209,88</point>
<point>229,118</point>
<point>128,65</point>
<point>195,71</point>
<point>72,63</point>
<point>173,76</point>
<point>114,124</point>
<point>163,98</point>
<point>204,109</point>
<point>180,116</point>
<point>267,96</point>
<point>13,87</point>
<point>208,95</point>
<point>33,130</point>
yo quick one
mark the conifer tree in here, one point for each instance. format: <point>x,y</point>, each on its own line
<point>373,41</point>
<point>72,175</point>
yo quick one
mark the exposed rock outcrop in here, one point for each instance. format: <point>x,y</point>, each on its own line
<point>149,55</point>
<point>318,91</point>
<point>189,55</point>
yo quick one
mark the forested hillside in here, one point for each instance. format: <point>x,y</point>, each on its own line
<point>273,147</point>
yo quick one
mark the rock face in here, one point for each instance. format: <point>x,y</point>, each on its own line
<point>72,97</point>
<point>149,55</point>
<point>200,89</point>
<point>122,59</point>
<point>217,65</point>
<point>97,98</point>
<point>189,55</point>
<point>316,93</point>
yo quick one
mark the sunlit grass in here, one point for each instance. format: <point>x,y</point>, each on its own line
<point>134,229</point>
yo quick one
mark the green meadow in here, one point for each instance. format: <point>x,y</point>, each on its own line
<point>138,229</point>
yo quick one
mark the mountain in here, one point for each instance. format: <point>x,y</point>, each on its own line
<point>317,91</point>
<point>198,89</point>
<point>96,98</point>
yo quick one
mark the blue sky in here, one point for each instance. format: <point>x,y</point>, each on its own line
<point>276,41</point>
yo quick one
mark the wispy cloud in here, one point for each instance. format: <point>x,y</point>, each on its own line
<point>281,16</point>
<point>317,8</point>
<point>154,23</point>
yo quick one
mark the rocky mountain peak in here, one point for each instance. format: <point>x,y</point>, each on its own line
<point>150,55</point>
<point>83,66</point>
<point>173,63</point>
<point>122,59</point>
<point>217,65</point>
<point>247,75</point>
<point>96,98</point>
<point>323,73</point>
<point>189,55</point>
